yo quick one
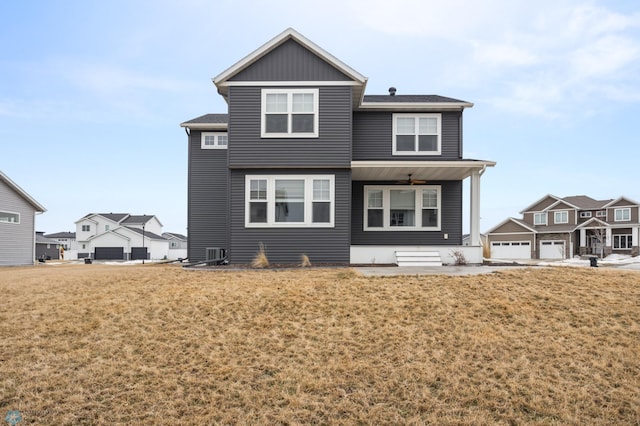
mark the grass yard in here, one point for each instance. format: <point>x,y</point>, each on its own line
<point>151,344</point>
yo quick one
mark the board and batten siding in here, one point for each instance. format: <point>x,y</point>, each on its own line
<point>290,62</point>
<point>451,218</point>
<point>17,240</point>
<point>208,213</point>
<point>286,245</point>
<point>373,137</point>
<point>332,148</point>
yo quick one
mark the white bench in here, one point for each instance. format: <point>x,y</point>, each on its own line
<point>418,258</point>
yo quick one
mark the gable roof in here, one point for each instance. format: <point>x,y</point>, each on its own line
<point>617,200</point>
<point>173,235</point>
<point>137,219</point>
<point>598,223</point>
<point>28,198</point>
<point>221,80</point>
<point>518,222</point>
<point>528,208</point>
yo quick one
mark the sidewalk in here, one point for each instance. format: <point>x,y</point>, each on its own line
<point>372,271</point>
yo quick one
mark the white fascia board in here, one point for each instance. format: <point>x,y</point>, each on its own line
<point>287,34</point>
<point>402,106</point>
<point>588,224</point>
<point>205,126</point>
<point>36,205</point>
<point>504,222</point>
<point>479,164</point>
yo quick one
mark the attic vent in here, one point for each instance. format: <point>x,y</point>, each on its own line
<point>392,91</point>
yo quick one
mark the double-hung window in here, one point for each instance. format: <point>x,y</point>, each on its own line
<point>540,218</point>
<point>9,217</point>
<point>86,228</point>
<point>214,140</point>
<point>561,217</point>
<point>401,208</point>
<point>290,201</point>
<point>622,215</point>
<point>290,113</point>
<point>417,134</point>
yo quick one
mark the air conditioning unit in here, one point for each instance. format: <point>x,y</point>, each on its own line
<point>215,253</point>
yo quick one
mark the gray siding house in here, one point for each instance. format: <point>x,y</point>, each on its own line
<point>305,163</point>
<point>17,224</point>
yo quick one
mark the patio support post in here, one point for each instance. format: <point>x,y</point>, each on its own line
<point>474,228</point>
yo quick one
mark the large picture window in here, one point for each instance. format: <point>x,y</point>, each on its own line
<point>399,208</point>
<point>289,113</point>
<point>290,201</point>
<point>416,134</point>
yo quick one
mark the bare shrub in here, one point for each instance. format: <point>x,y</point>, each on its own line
<point>260,260</point>
<point>304,261</point>
<point>458,256</point>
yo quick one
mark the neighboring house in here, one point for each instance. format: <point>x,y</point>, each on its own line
<point>306,163</point>
<point>68,244</point>
<point>466,240</point>
<point>17,224</point>
<point>559,228</point>
<point>177,245</point>
<point>120,236</point>
<point>46,248</point>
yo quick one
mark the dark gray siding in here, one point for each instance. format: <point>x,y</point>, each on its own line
<point>451,220</point>
<point>331,149</point>
<point>16,239</point>
<point>290,62</point>
<point>373,137</point>
<point>208,213</point>
<point>322,245</point>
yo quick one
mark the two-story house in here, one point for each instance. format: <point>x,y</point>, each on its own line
<point>305,163</point>
<point>558,228</point>
<point>18,212</point>
<point>120,236</point>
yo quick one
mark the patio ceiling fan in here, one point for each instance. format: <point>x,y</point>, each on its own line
<point>410,181</point>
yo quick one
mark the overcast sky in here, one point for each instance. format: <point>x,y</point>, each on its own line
<point>92,93</point>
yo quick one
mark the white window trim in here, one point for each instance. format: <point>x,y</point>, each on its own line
<point>621,210</point>
<point>386,212</point>
<point>628,237</point>
<point>289,92</point>
<point>12,213</point>
<point>439,127</point>
<point>216,145</point>
<point>544,215</point>
<point>601,213</point>
<point>271,199</point>
<point>555,217</point>
<point>585,214</point>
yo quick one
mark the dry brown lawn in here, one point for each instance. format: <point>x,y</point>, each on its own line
<point>151,344</point>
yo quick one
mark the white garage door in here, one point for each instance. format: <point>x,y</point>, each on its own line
<point>551,249</point>
<point>510,250</point>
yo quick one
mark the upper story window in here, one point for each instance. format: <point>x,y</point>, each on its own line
<point>417,134</point>
<point>289,201</point>
<point>601,213</point>
<point>585,214</point>
<point>539,218</point>
<point>402,208</point>
<point>214,140</point>
<point>9,217</point>
<point>622,215</point>
<point>86,228</point>
<point>290,113</point>
<point>561,217</point>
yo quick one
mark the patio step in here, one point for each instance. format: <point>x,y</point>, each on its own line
<point>418,258</point>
